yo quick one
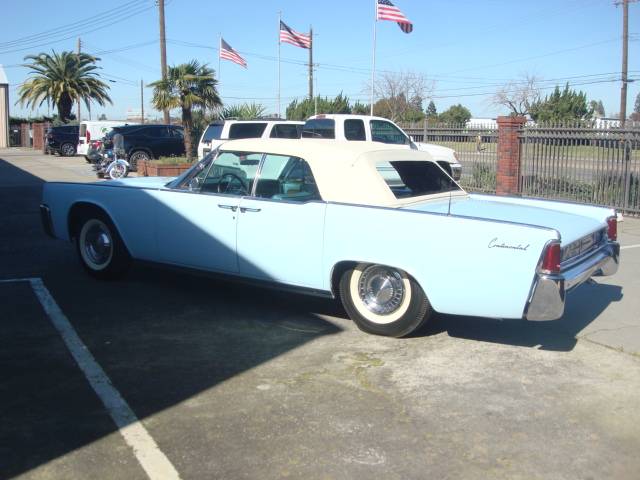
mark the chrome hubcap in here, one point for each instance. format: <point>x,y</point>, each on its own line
<point>381,289</point>
<point>97,244</point>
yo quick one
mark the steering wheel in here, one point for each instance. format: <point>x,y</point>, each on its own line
<point>231,183</point>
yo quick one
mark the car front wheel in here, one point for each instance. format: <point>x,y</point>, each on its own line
<point>100,248</point>
<point>383,300</point>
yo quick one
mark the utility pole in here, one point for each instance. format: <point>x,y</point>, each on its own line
<point>311,63</point>
<point>163,54</point>
<point>625,53</point>
<point>141,101</point>
<point>78,99</point>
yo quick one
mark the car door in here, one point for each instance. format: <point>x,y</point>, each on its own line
<point>280,227</point>
<point>177,141</point>
<point>196,220</point>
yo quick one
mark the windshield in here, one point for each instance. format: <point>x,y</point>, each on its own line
<point>387,132</point>
<point>408,179</point>
<point>197,172</point>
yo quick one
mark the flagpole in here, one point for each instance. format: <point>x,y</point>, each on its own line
<point>373,67</point>
<point>279,23</point>
<point>219,61</point>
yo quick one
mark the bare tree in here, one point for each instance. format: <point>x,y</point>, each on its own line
<point>518,95</point>
<point>401,94</point>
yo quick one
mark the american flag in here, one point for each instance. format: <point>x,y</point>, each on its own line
<point>385,10</point>
<point>289,35</point>
<point>229,53</point>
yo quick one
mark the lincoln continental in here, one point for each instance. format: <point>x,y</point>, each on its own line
<point>383,228</point>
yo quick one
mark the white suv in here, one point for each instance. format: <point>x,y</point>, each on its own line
<point>220,131</point>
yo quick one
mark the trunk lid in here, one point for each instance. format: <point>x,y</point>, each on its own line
<point>571,226</point>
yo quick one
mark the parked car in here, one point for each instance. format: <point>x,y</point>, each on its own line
<point>92,130</point>
<point>146,142</point>
<point>318,217</point>
<point>366,128</point>
<point>220,131</point>
<point>62,140</point>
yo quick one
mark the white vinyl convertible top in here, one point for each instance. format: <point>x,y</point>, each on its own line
<point>344,171</point>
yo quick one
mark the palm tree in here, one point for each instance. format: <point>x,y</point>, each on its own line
<point>246,111</point>
<point>61,79</point>
<point>187,86</point>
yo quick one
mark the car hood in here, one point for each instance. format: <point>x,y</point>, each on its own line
<point>142,182</point>
<point>437,151</point>
<point>570,226</point>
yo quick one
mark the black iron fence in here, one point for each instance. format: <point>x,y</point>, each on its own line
<point>578,163</point>
<point>598,166</point>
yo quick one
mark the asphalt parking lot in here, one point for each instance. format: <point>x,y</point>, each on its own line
<point>207,379</point>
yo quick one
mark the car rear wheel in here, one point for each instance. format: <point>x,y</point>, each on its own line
<point>136,157</point>
<point>67,150</point>
<point>102,252</point>
<point>383,300</point>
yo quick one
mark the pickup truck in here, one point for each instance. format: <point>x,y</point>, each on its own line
<point>376,129</point>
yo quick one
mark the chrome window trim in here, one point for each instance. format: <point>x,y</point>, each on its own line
<point>438,214</point>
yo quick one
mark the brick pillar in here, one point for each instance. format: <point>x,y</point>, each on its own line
<point>25,139</point>
<point>38,136</point>
<point>508,174</point>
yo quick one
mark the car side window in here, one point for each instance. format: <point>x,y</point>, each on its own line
<point>354,130</point>
<point>387,132</point>
<point>232,173</point>
<point>319,128</point>
<point>286,131</point>
<point>176,133</point>
<point>246,130</point>
<point>286,178</point>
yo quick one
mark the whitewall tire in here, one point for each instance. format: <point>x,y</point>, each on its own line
<point>383,300</point>
<point>100,249</point>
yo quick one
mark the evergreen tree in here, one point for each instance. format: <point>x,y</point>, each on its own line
<point>432,112</point>
<point>455,114</point>
<point>562,106</point>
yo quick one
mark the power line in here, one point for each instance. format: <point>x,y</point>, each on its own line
<point>99,25</point>
<point>68,27</point>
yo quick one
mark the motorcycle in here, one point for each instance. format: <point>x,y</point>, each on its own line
<point>109,162</point>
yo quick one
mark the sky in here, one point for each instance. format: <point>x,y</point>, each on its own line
<point>466,49</point>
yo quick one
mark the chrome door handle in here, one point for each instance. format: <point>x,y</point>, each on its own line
<point>233,208</point>
<point>245,209</point>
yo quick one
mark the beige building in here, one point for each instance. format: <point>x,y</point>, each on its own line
<point>4,109</point>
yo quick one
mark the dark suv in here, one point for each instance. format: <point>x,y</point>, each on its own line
<point>145,142</point>
<point>62,140</point>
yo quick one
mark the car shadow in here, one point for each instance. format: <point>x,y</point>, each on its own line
<point>162,337</point>
<point>584,305</point>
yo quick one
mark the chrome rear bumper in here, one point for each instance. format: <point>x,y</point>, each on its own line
<point>547,298</point>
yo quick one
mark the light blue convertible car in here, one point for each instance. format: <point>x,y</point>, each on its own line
<point>385,229</point>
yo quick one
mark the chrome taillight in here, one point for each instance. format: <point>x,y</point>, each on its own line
<point>551,258</point>
<point>612,228</point>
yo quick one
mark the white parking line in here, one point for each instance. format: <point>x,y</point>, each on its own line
<point>153,461</point>
<point>629,246</point>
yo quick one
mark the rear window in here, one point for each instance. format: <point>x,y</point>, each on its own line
<point>319,128</point>
<point>408,179</point>
<point>213,132</point>
<point>246,130</point>
<point>285,130</point>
